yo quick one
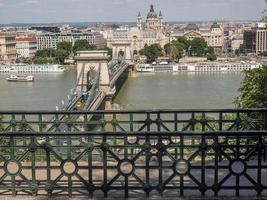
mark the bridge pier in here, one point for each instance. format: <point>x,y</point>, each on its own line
<point>96,61</point>
<point>93,69</point>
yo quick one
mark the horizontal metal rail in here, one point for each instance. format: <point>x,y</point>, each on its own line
<point>230,110</point>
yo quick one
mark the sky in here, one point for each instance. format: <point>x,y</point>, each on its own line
<point>48,11</point>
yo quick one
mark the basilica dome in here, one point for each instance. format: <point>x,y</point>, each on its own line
<point>152,13</point>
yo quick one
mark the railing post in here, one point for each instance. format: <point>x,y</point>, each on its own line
<point>265,128</point>
<point>265,120</point>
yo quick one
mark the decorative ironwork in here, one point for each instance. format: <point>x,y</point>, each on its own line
<point>139,153</point>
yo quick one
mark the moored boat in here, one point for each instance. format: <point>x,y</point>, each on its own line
<point>199,67</point>
<point>22,68</point>
<point>16,78</point>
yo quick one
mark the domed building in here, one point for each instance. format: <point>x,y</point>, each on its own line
<point>130,40</point>
<point>153,21</point>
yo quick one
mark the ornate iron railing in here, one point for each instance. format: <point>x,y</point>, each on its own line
<point>137,153</point>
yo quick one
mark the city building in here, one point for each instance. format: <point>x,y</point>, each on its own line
<point>255,40</point>
<point>51,29</point>
<point>214,36</point>
<point>249,44</point>
<point>7,47</point>
<point>26,46</point>
<point>233,36</point>
<point>129,41</point>
<point>261,38</point>
<point>51,40</point>
<point>236,42</point>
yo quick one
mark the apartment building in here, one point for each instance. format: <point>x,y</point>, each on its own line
<point>7,47</point>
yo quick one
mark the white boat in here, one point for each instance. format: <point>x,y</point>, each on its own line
<point>145,68</point>
<point>16,68</point>
<point>199,67</point>
<point>16,78</point>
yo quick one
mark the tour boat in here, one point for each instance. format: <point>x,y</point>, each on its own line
<point>199,67</point>
<point>20,78</point>
<point>22,68</point>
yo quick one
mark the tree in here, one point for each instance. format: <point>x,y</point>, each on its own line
<point>152,52</point>
<point>253,89</point>
<point>44,60</point>
<point>184,42</point>
<point>83,45</point>
<point>211,57</point>
<point>50,52</point>
<point>199,46</point>
<point>177,50</point>
<point>66,46</point>
<point>211,54</point>
<point>237,52</point>
<point>210,50</point>
<point>142,51</point>
<point>61,55</point>
<point>167,48</point>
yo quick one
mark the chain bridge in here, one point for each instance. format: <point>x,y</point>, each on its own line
<point>85,151</point>
<point>97,81</point>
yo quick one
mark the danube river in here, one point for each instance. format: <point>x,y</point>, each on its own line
<point>180,91</point>
<point>142,91</point>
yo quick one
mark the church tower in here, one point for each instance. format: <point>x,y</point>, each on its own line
<point>160,21</point>
<point>139,21</point>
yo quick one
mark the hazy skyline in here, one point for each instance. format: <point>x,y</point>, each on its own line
<point>49,11</point>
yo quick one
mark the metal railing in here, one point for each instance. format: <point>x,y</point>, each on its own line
<point>137,153</point>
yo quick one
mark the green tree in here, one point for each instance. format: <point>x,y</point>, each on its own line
<point>142,51</point>
<point>66,46</point>
<point>50,52</point>
<point>211,57</point>
<point>152,52</point>
<point>177,50</point>
<point>167,48</point>
<point>237,52</point>
<point>253,89</point>
<point>44,60</point>
<point>184,42</point>
<point>199,47</point>
<point>210,50</point>
<point>83,45</point>
<point>61,55</point>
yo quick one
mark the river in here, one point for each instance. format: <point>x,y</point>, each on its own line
<point>143,91</point>
<point>180,91</point>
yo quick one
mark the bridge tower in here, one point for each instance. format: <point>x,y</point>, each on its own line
<point>96,61</point>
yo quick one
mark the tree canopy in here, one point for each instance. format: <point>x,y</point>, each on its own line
<point>50,52</point>
<point>167,48</point>
<point>198,47</point>
<point>177,50</point>
<point>253,89</point>
<point>184,42</point>
<point>211,54</point>
<point>83,45</point>
<point>152,52</point>
<point>66,46</point>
